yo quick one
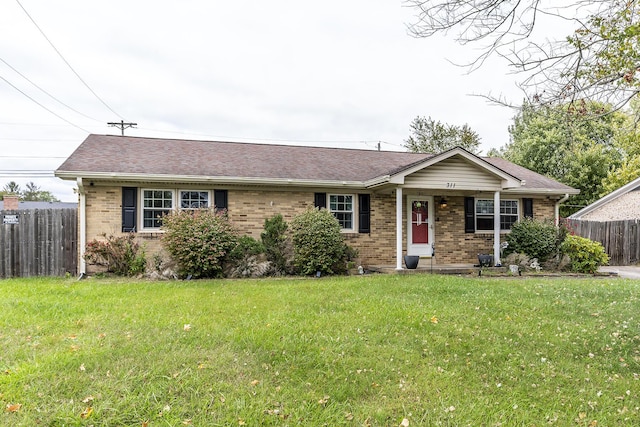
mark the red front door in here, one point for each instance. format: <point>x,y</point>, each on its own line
<point>419,222</point>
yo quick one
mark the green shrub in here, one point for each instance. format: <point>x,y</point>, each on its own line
<point>199,241</point>
<point>585,255</point>
<point>276,245</point>
<point>121,255</point>
<point>536,239</point>
<point>317,243</point>
<point>244,260</point>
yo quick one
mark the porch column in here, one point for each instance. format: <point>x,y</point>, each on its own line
<point>398,228</point>
<point>496,229</point>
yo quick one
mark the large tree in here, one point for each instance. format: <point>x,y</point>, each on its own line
<point>599,59</point>
<point>560,143</point>
<point>431,136</point>
<point>33,192</point>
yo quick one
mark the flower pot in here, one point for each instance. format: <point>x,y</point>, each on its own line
<point>411,261</point>
<point>485,260</point>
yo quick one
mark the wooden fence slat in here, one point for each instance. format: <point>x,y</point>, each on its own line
<point>621,239</point>
<point>43,243</point>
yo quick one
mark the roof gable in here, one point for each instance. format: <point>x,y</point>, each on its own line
<point>632,186</point>
<point>464,164</point>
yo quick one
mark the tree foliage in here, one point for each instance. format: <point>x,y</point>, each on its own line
<point>597,60</point>
<point>431,136</point>
<point>31,193</point>
<point>562,144</point>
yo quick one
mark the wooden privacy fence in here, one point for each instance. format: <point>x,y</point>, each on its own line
<point>38,242</point>
<point>621,239</point>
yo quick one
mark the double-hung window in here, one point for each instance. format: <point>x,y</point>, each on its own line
<point>155,204</point>
<point>341,206</point>
<point>194,199</point>
<point>509,214</point>
<point>159,202</point>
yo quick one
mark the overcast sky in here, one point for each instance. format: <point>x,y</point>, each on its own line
<point>339,73</point>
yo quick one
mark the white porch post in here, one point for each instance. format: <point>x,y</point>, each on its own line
<point>496,229</point>
<point>398,228</point>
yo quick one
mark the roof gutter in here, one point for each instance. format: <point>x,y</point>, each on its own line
<point>111,176</point>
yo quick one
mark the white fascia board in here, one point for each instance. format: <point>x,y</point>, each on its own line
<point>112,176</point>
<point>509,181</point>
<point>541,191</point>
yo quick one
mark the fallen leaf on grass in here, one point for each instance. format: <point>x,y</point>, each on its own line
<point>88,399</point>
<point>145,424</point>
<point>15,407</point>
<point>404,423</point>
<point>86,413</point>
<point>349,416</point>
<point>324,400</point>
<point>255,382</point>
<point>187,327</point>
<point>187,422</point>
<point>434,319</point>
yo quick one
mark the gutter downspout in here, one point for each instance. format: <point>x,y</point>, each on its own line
<point>82,226</point>
<point>557,208</point>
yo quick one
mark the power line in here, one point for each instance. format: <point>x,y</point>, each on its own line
<point>66,62</point>
<point>42,106</point>
<point>47,93</point>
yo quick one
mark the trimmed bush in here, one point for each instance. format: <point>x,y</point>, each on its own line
<point>199,241</point>
<point>536,239</point>
<point>121,255</point>
<point>585,255</point>
<point>244,259</point>
<point>318,244</point>
<point>275,243</point>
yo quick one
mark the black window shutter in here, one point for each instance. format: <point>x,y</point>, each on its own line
<point>528,208</point>
<point>220,200</point>
<point>364,213</point>
<point>320,200</point>
<point>129,202</point>
<point>469,215</point>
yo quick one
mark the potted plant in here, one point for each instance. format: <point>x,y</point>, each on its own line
<point>411,261</point>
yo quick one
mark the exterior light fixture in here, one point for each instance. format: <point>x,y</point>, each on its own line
<point>443,203</point>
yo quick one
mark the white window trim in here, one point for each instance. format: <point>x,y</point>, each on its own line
<point>175,202</point>
<point>502,230</point>
<point>179,197</point>
<point>354,211</point>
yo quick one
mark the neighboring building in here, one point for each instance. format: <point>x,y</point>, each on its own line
<point>388,203</point>
<point>619,205</point>
<point>9,204</point>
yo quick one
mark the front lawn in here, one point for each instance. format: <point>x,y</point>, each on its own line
<point>381,350</point>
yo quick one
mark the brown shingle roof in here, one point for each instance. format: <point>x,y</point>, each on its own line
<point>173,157</point>
<point>123,155</point>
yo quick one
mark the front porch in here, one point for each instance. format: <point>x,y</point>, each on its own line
<point>425,267</point>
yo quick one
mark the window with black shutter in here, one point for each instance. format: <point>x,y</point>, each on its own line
<point>220,200</point>
<point>469,215</point>
<point>129,211</point>
<point>364,213</point>
<point>320,200</point>
<point>527,208</point>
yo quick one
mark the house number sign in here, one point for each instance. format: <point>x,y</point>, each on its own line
<point>10,219</point>
<point>451,185</point>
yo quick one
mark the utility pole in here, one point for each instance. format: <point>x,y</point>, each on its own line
<point>122,125</point>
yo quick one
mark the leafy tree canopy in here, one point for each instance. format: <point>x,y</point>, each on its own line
<point>430,136</point>
<point>560,143</point>
<point>31,193</point>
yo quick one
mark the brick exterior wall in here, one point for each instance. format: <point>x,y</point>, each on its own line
<point>248,210</point>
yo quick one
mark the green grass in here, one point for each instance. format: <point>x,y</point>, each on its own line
<point>371,350</point>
